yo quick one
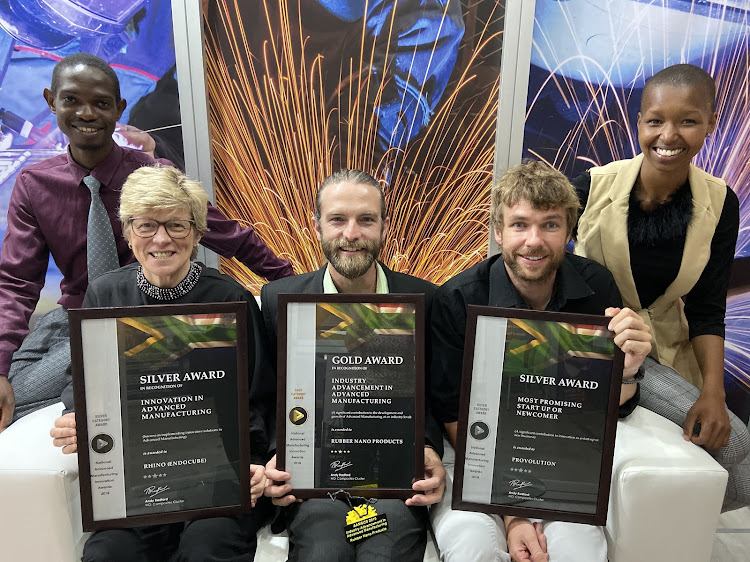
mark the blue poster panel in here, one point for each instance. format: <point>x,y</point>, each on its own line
<point>133,36</point>
<point>589,63</point>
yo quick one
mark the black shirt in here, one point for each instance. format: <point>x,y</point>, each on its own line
<point>582,286</point>
<point>656,242</point>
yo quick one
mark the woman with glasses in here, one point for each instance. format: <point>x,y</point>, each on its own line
<point>163,215</point>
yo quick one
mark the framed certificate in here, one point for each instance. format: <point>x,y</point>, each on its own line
<point>161,405</point>
<point>351,393</point>
<point>538,415</point>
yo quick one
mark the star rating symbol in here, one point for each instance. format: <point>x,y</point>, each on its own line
<point>154,475</point>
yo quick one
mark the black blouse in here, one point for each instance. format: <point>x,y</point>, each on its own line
<point>655,263</point>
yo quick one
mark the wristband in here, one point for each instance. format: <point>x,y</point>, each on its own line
<point>638,377</point>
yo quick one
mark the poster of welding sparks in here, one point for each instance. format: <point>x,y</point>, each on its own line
<point>406,90</point>
<point>133,36</point>
<point>589,62</point>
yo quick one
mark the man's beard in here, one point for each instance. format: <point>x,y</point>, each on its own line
<point>550,269</point>
<point>351,267</point>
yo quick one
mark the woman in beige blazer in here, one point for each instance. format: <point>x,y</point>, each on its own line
<point>667,231</point>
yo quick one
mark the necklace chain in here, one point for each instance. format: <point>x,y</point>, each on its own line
<point>169,293</point>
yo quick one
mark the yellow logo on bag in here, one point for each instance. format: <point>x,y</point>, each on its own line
<point>360,512</point>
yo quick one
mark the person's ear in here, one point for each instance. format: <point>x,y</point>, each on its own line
<point>126,234</point>
<point>384,230</point>
<point>316,227</point>
<point>571,238</point>
<point>49,97</point>
<point>498,232</point>
<point>712,123</point>
<point>121,105</point>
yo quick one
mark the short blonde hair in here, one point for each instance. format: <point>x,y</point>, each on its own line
<point>162,188</point>
<point>158,188</point>
<point>539,184</point>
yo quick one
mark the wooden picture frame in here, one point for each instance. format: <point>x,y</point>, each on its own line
<point>351,393</point>
<point>162,412</point>
<point>538,415</point>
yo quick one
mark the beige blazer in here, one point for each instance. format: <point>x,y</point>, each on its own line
<point>602,236</point>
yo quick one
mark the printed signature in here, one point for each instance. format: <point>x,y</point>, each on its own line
<point>340,465</point>
<point>518,484</point>
<point>155,490</point>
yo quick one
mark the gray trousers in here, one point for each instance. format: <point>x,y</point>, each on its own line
<point>666,393</point>
<point>41,367</point>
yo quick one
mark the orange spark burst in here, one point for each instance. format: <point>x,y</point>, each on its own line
<point>277,133</point>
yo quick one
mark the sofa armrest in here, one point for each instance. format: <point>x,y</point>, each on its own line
<point>666,493</point>
<point>41,518</point>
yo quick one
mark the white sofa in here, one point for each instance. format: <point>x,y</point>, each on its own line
<point>666,494</point>
<point>665,500</point>
<point>40,519</point>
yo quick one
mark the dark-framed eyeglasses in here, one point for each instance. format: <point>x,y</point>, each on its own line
<point>147,228</point>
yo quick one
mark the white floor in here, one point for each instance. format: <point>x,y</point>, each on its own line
<point>732,542</point>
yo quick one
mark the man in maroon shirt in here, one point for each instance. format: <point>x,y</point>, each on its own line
<point>48,214</point>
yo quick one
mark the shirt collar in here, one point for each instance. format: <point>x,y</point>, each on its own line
<point>103,172</point>
<point>569,285</point>
<point>381,285</point>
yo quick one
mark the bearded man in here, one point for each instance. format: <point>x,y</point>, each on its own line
<point>534,212</point>
<point>351,224</point>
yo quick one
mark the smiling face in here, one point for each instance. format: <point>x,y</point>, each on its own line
<point>672,126</point>
<point>87,112</point>
<point>350,229</point>
<point>533,244</point>
<point>165,261</point>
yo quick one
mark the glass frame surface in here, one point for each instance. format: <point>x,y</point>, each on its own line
<point>296,400</point>
<point>105,390</point>
<point>550,406</point>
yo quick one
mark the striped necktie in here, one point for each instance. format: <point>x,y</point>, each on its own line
<point>101,250</point>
